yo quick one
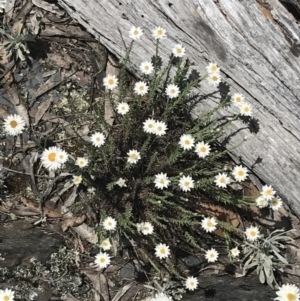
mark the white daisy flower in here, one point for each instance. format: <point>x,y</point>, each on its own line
<point>7,295</point>
<point>212,68</point>
<point>146,68</point>
<point>161,297</point>
<point>252,233</point>
<point>222,180</point>
<point>162,251</point>
<point>288,292</point>
<point>202,149</point>
<point>49,158</point>
<point>186,141</point>
<point>62,156</point>
<point>121,182</point>
<point>209,224</point>
<point>91,190</point>
<point>141,88</point>
<point>149,126</point>
<point>135,33</point>
<point>105,244</point>
<point>186,183</point>
<point>275,204</point>
<point>172,91</point>
<point>237,99</point>
<point>211,255</point>
<point>81,162</point>
<point>77,180</point>
<point>191,283</point>
<point>161,181</point>
<point>178,50</point>
<point>267,192</point>
<point>214,79</point>
<point>240,173</point>
<point>261,202</point>
<point>110,82</point>
<point>123,108</point>
<point>235,252</point>
<point>14,125</point>
<point>160,128</point>
<point>146,228</point>
<point>102,260</point>
<point>246,109</point>
<point>133,156</point>
<point>98,139</point>
<point>109,224</point>
<point>159,33</point>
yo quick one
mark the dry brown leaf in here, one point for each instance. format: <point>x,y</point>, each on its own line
<point>14,99</point>
<point>32,205</point>
<point>68,298</point>
<point>72,222</point>
<point>122,291</point>
<point>104,288</point>
<point>43,107</point>
<point>3,113</point>
<point>48,7</point>
<point>94,278</point>
<point>87,233</point>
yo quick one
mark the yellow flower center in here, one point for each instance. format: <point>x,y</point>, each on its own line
<point>246,109</point>
<point>51,157</point>
<point>81,162</point>
<point>61,156</point>
<point>186,183</point>
<point>105,243</point>
<point>214,68</point>
<point>240,173</point>
<point>275,202</point>
<point>172,91</point>
<point>123,108</point>
<point>146,228</point>
<point>150,125</point>
<point>159,32</point>
<point>268,192</point>
<point>13,124</point>
<point>159,128</point>
<point>111,81</point>
<point>141,88</point>
<point>192,283</point>
<point>202,149</point>
<point>136,32</point>
<point>162,251</point>
<point>238,99</point>
<point>133,156</point>
<point>252,233</point>
<point>162,181</point>
<point>187,142</point>
<point>291,297</point>
<point>146,67</point>
<point>98,139</point>
<point>6,298</point>
<point>209,224</point>
<point>214,78</point>
<point>102,260</point>
<point>212,255</point>
<point>178,50</point>
<point>109,224</point>
<point>223,180</point>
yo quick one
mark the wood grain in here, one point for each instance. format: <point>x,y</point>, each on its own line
<point>257,45</point>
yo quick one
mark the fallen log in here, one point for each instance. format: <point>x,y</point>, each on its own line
<point>257,45</point>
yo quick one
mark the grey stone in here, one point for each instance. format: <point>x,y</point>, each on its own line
<point>20,241</point>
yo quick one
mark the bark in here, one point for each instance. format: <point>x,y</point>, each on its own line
<point>257,45</point>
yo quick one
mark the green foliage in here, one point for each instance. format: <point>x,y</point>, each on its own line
<point>175,214</point>
<point>266,256</point>
<point>14,40</point>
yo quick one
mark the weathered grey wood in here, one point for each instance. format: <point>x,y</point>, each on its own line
<point>257,48</point>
